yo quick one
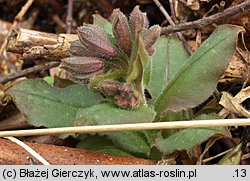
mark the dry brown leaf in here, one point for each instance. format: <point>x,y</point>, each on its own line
<point>243,94</point>
<point>195,4</point>
<point>237,71</point>
<point>240,97</point>
<point>241,19</point>
<point>233,104</point>
<point>182,12</point>
<point>209,144</point>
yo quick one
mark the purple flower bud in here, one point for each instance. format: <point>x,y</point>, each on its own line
<point>80,68</point>
<point>127,103</point>
<point>150,36</point>
<point>96,40</point>
<point>138,22</point>
<point>78,49</point>
<point>123,94</point>
<point>83,78</point>
<point>109,87</point>
<point>121,31</point>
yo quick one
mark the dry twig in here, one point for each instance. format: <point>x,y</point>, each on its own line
<point>69,16</point>
<point>181,37</point>
<point>208,20</point>
<point>40,45</point>
<point>173,14</point>
<point>17,19</point>
<point>27,71</point>
<point>129,127</point>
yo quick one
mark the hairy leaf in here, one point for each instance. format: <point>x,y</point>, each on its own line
<point>138,66</point>
<point>131,141</point>
<point>106,113</point>
<point>50,80</point>
<point>188,138</point>
<point>169,57</point>
<point>49,106</point>
<point>100,144</point>
<point>198,78</point>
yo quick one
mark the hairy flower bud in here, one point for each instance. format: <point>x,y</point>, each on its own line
<point>121,31</point>
<point>96,40</point>
<point>83,64</point>
<point>123,94</point>
<point>151,51</point>
<point>109,87</point>
<point>127,103</point>
<point>150,36</point>
<point>138,22</point>
<point>78,49</point>
<point>83,78</point>
<point>81,68</point>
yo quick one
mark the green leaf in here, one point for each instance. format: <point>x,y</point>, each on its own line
<point>49,80</point>
<point>180,116</point>
<point>188,138</point>
<point>106,113</point>
<point>198,78</point>
<point>62,83</point>
<point>49,106</point>
<point>207,116</point>
<point>100,144</point>
<point>151,136</point>
<point>175,116</point>
<point>170,55</point>
<point>103,23</point>
<point>233,157</point>
<point>137,66</point>
<point>114,75</point>
<point>94,143</point>
<point>131,141</point>
<point>177,56</point>
<point>147,73</point>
